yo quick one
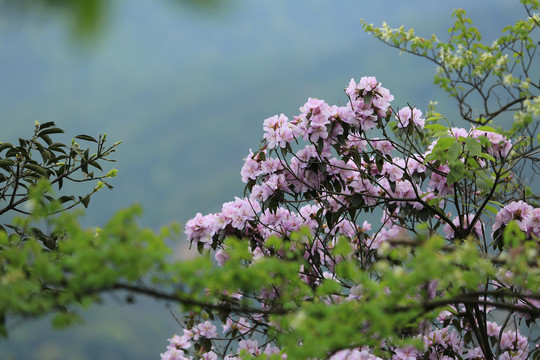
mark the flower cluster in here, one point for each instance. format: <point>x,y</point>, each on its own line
<point>527,217</point>
<point>178,345</point>
<point>322,170</point>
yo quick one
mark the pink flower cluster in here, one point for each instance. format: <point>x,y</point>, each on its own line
<point>178,345</point>
<point>320,172</point>
<point>527,217</point>
<point>235,213</point>
<point>406,115</point>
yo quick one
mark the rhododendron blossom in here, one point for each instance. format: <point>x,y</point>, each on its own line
<point>321,174</point>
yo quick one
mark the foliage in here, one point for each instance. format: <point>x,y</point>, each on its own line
<point>22,166</point>
<point>30,257</point>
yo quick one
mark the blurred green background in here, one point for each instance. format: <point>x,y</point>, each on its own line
<point>186,85</point>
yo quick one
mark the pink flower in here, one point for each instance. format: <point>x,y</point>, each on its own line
<point>173,354</point>
<point>243,325</point>
<point>209,356</point>
<point>251,168</point>
<point>403,117</point>
<point>516,210</point>
<point>279,131</point>
<point>221,257</point>
<point>475,353</point>
<point>207,330</point>
<point>533,223</point>
<point>393,171</point>
<point>181,342</point>
<point>406,353</point>
<point>269,350</point>
<point>314,105</point>
<point>458,132</point>
<point>367,83</point>
<point>383,146</point>
<point>438,180</point>
<point>201,228</point>
<point>417,118</point>
<point>493,329</point>
<point>464,224</point>
<point>500,147</point>
<point>250,346</point>
<point>317,131</point>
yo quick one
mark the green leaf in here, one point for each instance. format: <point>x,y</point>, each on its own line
<point>39,169</point>
<point>486,128</point>
<point>63,199</point>
<point>491,209</point>
<point>513,235</point>
<point>50,131</point>
<point>356,200</point>
<point>473,163</point>
<point>437,127</point>
<point>86,138</point>
<point>85,200</point>
<point>444,143</point>
<point>45,125</point>
<point>328,287</point>
<point>96,165</point>
<point>65,319</point>
<point>5,163</point>
<point>273,242</point>
<point>343,247</point>
<point>47,139</point>
<point>484,184</point>
<point>5,145</point>
<point>473,146</point>
<point>487,156</point>
<point>454,151</point>
<point>457,171</point>
<point>367,98</point>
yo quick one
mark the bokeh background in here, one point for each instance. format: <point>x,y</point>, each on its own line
<point>186,85</point>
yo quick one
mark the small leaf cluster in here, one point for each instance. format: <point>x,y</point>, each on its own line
<point>39,157</point>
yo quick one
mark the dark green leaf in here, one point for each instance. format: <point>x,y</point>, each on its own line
<point>85,200</point>
<point>367,98</point>
<point>5,145</point>
<point>45,125</point>
<point>57,147</point>
<point>50,131</point>
<point>356,200</point>
<point>65,199</point>
<point>39,169</point>
<point>86,138</point>
<point>6,163</point>
<point>47,139</point>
